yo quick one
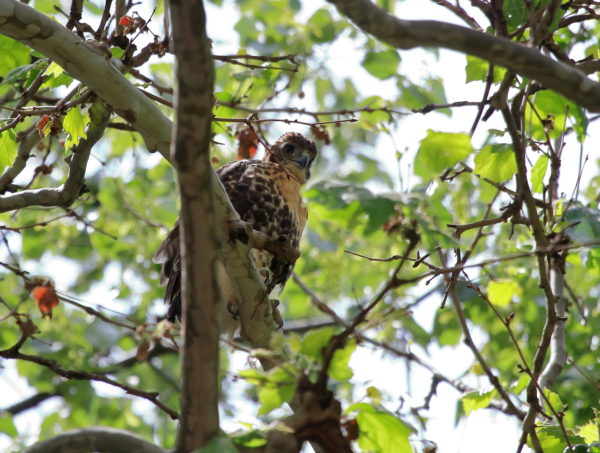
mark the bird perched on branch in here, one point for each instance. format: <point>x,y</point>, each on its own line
<point>266,194</point>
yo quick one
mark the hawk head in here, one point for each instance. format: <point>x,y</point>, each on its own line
<point>295,153</point>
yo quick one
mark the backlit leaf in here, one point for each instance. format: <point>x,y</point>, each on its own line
<point>496,162</point>
<point>538,172</point>
<point>382,65</point>
<point>501,292</point>
<point>74,124</point>
<point>475,400</point>
<point>381,431</point>
<point>8,150</point>
<point>439,151</point>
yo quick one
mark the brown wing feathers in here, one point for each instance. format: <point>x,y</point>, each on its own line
<point>263,195</point>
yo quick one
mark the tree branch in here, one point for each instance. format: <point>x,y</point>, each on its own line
<point>71,189</point>
<point>200,240</point>
<point>526,61</point>
<point>29,403</point>
<point>99,439</point>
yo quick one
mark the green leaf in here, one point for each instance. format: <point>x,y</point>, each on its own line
<point>439,151</point>
<point>475,400</point>
<point>321,26</point>
<point>74,124</point>
<point>589,432</point>
<point>516,12</point>
<point>382,65</point>
<point>496,162</point>
<point>314,342</point>
<point>552,439</point>
<point>587,228</point>
<point>538,172</point>
<point>554,400</point>
<point>477,70</point>
<point>7,426</point>
<point>12,55</point>
<point>26,72</point>
<point>339,369</point>
<point>8,150</point>
<point>381,431</point>
<point>252,439</point>
<point>54,69</point>
<point>501,292</point>
<point>278,389</point>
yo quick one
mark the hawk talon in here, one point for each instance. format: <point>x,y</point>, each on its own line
<point>232,308</point>
<point>276,315</point>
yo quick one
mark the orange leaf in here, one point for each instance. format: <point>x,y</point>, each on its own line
<point>41,124</point>
<point>126,21</point>
<point>248,143</point>
<point>46,299</point>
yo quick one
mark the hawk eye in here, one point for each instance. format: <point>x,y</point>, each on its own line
<point>288,149</point>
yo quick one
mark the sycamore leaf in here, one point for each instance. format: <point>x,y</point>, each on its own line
<point>439,151</point>
<point>501,292</point>
<point>382,65</point>
<point>538,172</point>
<point>380,430</point>
<point>475,400</point>
<point>8,150</point>
<point>54,70</point>
<point>74,124</point>
<point>589,432</point>
<point>496,162</point>
<point>339,369</point>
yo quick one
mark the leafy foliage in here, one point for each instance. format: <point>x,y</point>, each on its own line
<point>370,203</point>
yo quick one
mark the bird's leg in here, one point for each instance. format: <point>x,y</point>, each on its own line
<point>232,307</point>
<point>276,314</point>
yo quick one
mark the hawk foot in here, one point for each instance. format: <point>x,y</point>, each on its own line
<point>277,318</point>
<point>232,308</point>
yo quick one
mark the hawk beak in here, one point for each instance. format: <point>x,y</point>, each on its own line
<point>302,161</point>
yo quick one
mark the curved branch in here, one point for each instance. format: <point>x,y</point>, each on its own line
<point>526,61</point>
<point>28,141</point>
<point>100,439</point>
<point>71,189</point>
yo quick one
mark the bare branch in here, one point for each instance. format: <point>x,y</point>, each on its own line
<point>29,403</point>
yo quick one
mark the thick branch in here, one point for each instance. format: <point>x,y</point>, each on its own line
<point>200,240</point>
<point>102,440</point>
<point>526,61</point>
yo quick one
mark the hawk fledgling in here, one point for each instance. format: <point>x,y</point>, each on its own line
<point>266,194</point>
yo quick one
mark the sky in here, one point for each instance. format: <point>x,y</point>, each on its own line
<point>483,430</point>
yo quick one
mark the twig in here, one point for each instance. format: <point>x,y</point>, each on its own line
<point>13,353</point>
